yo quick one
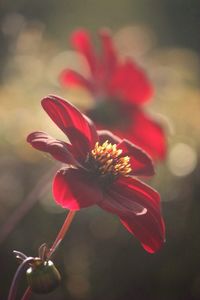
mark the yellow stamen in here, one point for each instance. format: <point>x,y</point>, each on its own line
<point>110,159</point>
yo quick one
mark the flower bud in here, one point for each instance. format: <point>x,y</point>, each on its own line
<point>43,277</point>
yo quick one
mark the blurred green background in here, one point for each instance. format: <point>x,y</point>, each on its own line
<point>98,258</point>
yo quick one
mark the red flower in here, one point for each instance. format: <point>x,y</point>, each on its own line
<point>120,90</point>
<point>100,169</point>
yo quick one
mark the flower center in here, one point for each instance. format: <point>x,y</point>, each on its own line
<point>109,160</point>
<point>111,113</point>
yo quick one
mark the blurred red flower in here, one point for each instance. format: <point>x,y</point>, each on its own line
<point>100,169</point>
<point>119,89</point>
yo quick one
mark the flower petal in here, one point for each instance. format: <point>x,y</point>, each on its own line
<point>75,189</point>
<point>106,135</point>
<point>140,161</point>
<point>147,226</point>
<point>131,84</point>
<point>121,205</point>
<point>109,57</point>
<point>148,134</point>
<point>58,149</point>
<point>80,40</point>
<point>72,78</point>
<point>79,129</point>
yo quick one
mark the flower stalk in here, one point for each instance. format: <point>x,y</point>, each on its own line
<point>62,232</point>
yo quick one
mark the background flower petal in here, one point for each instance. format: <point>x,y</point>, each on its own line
<point>109,57</point>
<point>148,134</point>
<point>81,41</point>
<point>131,84</point>
<point>72,78</point>
<point>74,189</point>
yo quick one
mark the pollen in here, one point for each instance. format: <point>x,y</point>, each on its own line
<point>110,159</point>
